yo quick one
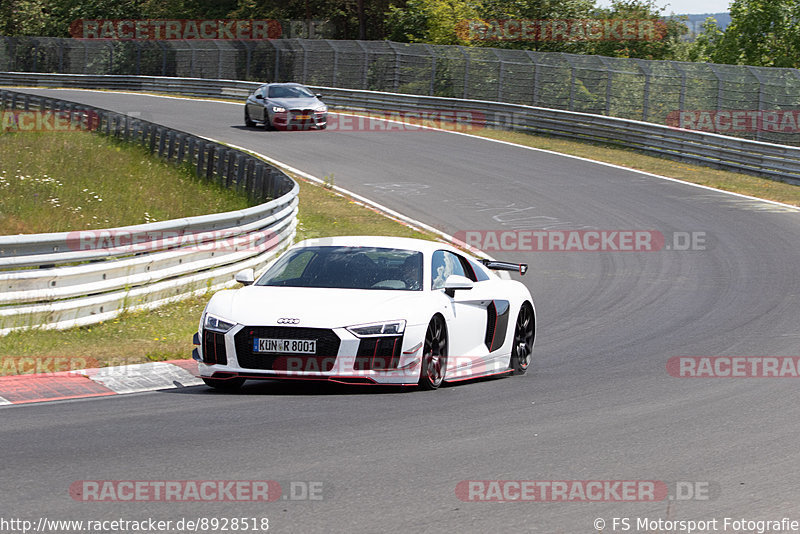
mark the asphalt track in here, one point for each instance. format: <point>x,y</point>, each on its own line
<point>598,403</point>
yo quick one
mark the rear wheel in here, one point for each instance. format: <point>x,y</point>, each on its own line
<point>434,354</point>
<point>247,120</point>
<point>224,384</point>
<point>523,340</point>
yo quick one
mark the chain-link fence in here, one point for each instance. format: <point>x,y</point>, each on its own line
<point>752,102</point>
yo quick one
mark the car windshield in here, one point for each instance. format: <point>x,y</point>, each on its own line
<point>289,91</point>
<point>348,268</point>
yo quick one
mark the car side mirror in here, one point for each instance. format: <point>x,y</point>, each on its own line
<point>455,282</point>
<point>259,97</point>
<point>318,95</point>
<point>245,276</point>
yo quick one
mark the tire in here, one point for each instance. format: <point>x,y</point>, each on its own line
<point>247,120</point>
<point>434,354</point>
<point>522,349</point>
<point>267,124</point>
<point>224,384</point>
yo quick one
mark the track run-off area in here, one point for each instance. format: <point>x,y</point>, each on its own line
<point>602,401</point>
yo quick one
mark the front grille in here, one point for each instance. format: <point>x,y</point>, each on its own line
<point>214,348</point>
<point>322,361</point>
<point>377,353</point>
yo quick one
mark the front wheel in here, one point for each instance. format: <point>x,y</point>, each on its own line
<point>523,340</point>
<point>224,384</point>
<point>434,354</point>
<point>247,120</point>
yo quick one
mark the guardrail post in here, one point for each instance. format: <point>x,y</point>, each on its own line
<point>210,162</point>
<point>161,142</point>
<point>154,131</point>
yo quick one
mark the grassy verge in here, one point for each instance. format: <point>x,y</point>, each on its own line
<point>59,181</point>
<point>166,333</point>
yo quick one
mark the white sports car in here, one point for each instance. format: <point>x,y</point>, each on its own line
<point>368,310</point>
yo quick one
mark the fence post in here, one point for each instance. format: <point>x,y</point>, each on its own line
<point>365,77</point>
<point>466,70</point>
<point>432,52</point>
<point>335,61</point>
<point>646,96</point>
<point>757,75</point>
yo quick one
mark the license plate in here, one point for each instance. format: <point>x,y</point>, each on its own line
<point>302,117</point>
<point>285,346</point>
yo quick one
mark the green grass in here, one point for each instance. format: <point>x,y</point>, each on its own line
<point>62,181</point>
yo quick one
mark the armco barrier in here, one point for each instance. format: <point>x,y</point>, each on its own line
<point>66,279</point>
<point>777,162</point>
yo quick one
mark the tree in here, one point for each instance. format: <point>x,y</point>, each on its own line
<point>761,33</point>
<point>22,17</point>
<point>642,15</point>
<point>430,21</point>
<point>537,11</point>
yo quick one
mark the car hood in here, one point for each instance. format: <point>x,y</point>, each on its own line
<point>296,103</point>
<point>318,307</point>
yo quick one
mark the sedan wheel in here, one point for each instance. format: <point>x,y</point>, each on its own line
<point>247,120</point>
<point>434,355</point>
<point>523,340</point>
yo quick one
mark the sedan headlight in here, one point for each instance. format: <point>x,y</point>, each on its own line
<point>322,109</point>
<point>216,324</point>
<point>278,109</point>
<point>387,328</point>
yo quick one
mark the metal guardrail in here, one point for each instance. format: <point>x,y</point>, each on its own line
<point>66,279</point>
<point>777,162</point>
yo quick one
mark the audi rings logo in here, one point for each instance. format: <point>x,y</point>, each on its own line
<point>288,320</point>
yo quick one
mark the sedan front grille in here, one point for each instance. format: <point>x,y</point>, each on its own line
<point>323,360</point>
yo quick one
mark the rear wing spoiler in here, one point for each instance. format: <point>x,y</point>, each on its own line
<point>495,265</point>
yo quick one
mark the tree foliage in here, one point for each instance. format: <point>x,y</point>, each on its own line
<point>762,33</point>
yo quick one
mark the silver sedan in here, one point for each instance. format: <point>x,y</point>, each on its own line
<point>285,106</point>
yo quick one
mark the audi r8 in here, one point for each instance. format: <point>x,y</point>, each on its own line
<point>368,310</point>
<point>285,106</point>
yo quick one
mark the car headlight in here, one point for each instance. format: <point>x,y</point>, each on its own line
<point>387,328</point>
<point>322,109</point>
<point>214,323</point>
<point>278,109</point>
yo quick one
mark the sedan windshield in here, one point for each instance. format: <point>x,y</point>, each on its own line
<point>289,91</point>
<point>347,267</point>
